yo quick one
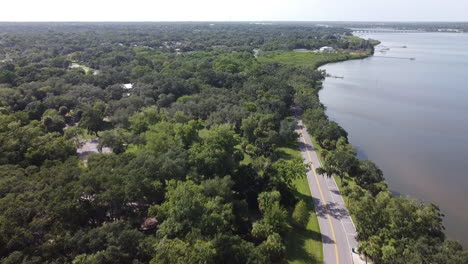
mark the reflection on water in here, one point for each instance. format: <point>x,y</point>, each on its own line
<point>411,117</point>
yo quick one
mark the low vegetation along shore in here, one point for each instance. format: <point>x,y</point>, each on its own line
<point>192,155</point>
<point>391,229</point>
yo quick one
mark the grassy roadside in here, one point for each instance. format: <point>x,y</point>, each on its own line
<point>303,245</point>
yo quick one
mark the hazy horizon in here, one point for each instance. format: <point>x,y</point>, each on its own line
<point>239,11</point>
<point>227,21</point>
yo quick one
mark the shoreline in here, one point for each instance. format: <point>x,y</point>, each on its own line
<point>414,196</point>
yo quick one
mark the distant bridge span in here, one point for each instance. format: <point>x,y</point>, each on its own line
<point>386,31</point>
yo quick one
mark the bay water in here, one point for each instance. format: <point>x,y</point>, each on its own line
<point>410,116</point>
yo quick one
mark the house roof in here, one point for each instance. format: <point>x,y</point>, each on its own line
<point>148,224</point>
<point>127,86</point>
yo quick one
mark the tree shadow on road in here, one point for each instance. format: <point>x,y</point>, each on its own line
<point>335,210</point>
<point>303,146</point>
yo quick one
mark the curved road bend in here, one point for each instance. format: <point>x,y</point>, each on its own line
<point>336,226</point>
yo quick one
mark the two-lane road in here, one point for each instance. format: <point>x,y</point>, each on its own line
<point>336,226</point>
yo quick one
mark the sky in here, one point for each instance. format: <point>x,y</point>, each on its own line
<point>234,10</point>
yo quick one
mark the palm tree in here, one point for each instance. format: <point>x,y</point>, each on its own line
<point>325,170</point>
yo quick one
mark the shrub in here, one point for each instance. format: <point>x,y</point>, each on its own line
<point>300,215</point>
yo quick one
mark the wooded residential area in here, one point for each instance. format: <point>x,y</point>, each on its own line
<point>195,117</point>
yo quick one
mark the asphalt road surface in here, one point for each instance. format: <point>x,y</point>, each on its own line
<point>336,226</point>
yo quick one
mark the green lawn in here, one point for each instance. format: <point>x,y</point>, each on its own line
<point>84,67</point>
<point>308,58</point>
<point>303,245</point>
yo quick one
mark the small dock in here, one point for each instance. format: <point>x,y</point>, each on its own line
<point>400,58</point>
<point>332,76</point>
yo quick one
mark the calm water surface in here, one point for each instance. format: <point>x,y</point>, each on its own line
<point>411,117</point>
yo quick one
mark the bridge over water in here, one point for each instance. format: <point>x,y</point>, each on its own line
<point>365,30</point>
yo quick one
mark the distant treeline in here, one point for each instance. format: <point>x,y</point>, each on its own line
<point>425,26</point>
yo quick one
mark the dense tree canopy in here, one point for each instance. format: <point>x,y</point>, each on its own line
<point>194,122</point>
